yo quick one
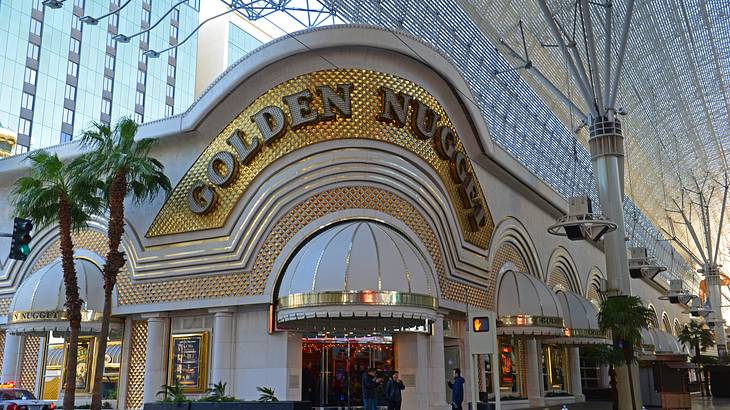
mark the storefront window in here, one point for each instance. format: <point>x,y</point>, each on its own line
<point>589,372</point>
<point>554,369</point>
<point>509,385</point>
<point>55,357</point>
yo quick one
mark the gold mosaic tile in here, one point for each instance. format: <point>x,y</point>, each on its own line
<point>29,364</point>
<point>254,282</point>
<point>2,347</point>
<point>176,217</point>
<point>558,277</point>
<point>137,358</point>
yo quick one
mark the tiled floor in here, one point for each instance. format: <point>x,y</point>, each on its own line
<point>698,403</point>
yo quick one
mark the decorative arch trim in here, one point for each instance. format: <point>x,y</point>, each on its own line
<point>511,231</point>
<point>561,263</point>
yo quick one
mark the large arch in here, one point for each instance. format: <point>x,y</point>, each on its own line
<point>511,233</point>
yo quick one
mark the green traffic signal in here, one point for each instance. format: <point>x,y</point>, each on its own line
<point>19,246</point>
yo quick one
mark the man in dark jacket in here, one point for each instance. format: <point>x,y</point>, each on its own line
<point>392,391</point>
<point>369,395</point>
<point>457,390</point>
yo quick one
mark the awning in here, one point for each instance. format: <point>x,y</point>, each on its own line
<point>665,343</point>
<point>357,275</point>
<point>55,355</point>
<point>581,321</point>
<point>38,305</point>
<point>526,306</point>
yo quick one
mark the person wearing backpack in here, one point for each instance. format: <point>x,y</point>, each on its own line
<point>393,391</point>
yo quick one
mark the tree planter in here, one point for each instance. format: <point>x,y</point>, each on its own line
<point>232,405</point>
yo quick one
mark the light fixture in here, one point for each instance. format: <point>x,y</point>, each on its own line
<point>151,54</point>
<point>53,4</point>
<point>121,38</point>
<point>89,20</point>
<point>641,265</point>
<point>676,293</point>
<point>581,223</point>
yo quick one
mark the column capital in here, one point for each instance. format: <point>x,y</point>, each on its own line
<point>155,317</point>
<point>222,311</point>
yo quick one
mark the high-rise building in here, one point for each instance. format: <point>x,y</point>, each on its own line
<point>60,74</point>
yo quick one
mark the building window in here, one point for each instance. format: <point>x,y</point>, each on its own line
<point>114,20</point>
<point>170,91</point>
<point>142,57</point>
<point>106,106</point>
<point>74,45</point>
<point>141,76</point>
<point>138,118</point>
<point>73,69</point>
<point>70,92</point>
<point>175,14</point>
<point>65,137</point>
<point>173,31</point>
<point>35,27</point>
<point>168,110</point>
<point>79,3</point>
<point>76,23</point>
<point>171,70</point>
<point>109,62</point>
<point>33,51</point>
<point>110,42</point>
<point>27,101</point>
<point>107,83</point>
<point>68,116</point>
<point>24,126</point>
<point>38,5</point>
<point>554,366</point>
<point>173,52</point>
<point>145,15</point>
<point>140,98</point>
<point>30,75</point>
<point>146,37</point>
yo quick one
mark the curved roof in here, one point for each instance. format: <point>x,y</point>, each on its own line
<point>358,256</point>
<point>357,275</point>
<point>38,305</point>
<point>525,297</point>
<point>581,320</point>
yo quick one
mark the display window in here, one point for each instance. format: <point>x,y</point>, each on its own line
<point>554,370</point>
<point>508,368</point>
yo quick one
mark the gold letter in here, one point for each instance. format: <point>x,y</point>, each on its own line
<point>425,121</point>
<point>246,152</point>
<point>339,100</point>
<point>201,198</point>
<point>271,123</point>
<point>394,104</point>
<point>445,143</point>
<point>301,112</point>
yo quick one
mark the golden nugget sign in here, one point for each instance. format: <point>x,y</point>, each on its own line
<point>272,124</point>
<point>317,107</point>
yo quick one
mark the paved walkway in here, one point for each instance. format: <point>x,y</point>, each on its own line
<point>698,403</point>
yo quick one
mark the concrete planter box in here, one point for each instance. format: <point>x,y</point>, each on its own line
<point>231,405</point>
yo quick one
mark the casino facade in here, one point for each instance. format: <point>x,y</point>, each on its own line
<point>335,207</point>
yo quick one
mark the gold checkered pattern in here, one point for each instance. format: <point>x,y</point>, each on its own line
<point>593,295</point>
<point>176,217</point>
<point>558,277</point>
<point>137,358</point>
<point>506,253</point>
<point>29,365</point>
<point>2,346</point>
<point>5,305</point>
<point>254,282</point>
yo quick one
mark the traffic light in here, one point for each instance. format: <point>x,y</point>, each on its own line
<point>480,324</point>
<point>19,248</point>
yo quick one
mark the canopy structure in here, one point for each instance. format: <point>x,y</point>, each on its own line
<point>526,306</point>
<point>655,341</point>
<point>38,305</point>
<point>357,276</point>
<point>581,321</point>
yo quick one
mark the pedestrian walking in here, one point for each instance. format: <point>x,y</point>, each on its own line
<point>457,390</point>
<point>393,391</point>
<point>369,384</point>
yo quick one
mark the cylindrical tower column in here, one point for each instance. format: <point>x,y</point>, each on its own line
<point>222,347</point>
<point>607,154</point>
<point>576,388</point>
<point>534,373</point>
<point>712,278</point>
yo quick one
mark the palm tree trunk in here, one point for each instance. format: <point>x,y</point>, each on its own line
<point>114,262</point>
<point>629,358</point>
<point>73,302</point>
<point>614,386</point>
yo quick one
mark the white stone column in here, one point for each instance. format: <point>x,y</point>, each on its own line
<point>263,359</point>
<point>222,351</point>
<point>438,399</point>
<point>11,358</point>
<point>575,380</point>
<point>412,353</point>
<point>534,373</point>
<point>154,376</point>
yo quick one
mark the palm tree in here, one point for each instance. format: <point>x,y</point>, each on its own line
<point>126,168</point>
<point>695,334</point>
<point>611,357</point>
<point>624,317</point>
<point>59,193</point>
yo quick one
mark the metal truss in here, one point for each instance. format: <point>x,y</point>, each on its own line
<point>302,13</point>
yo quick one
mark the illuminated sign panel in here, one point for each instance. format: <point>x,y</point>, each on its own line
<point>480,324</point>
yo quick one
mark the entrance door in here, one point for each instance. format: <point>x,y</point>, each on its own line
<point>333,368</point>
